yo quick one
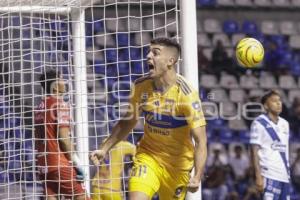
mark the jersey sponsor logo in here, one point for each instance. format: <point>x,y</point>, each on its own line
<point>144,97</point>
<point>278,146</point>
<point>169,106</point>
<point>178,192</point>
<point>196,105</point>
<point>158,131</point>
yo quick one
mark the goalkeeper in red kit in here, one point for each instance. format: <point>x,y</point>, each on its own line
<point>57,161</point>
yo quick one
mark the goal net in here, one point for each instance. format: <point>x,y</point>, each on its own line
<point>99,47</point>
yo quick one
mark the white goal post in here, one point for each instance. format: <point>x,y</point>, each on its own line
<point>74,13</point>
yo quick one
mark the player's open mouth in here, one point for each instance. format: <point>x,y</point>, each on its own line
<point>151,67</point>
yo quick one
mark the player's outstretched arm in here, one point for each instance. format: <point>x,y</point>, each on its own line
<point>119,132</point>
<point>199,136</point>
<point>259,181</point>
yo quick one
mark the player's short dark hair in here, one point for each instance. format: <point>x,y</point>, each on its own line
<point>47,78</point>
<point>168,42</point>
<point>268,94</point>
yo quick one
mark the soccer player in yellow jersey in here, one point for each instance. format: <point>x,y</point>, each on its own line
<point>173,118</point>
<point>107,181</point>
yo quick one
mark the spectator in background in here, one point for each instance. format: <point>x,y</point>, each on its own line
<point>239,163</point>
<point>295,171</point>
<point>214,187</point>
<point>295,116</point>
<point>220,60</point>
<point>57,160</point>
<point>203,62</point>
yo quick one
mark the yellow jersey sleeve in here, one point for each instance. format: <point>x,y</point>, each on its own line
<point>192,110</point>
<point>128,148</point>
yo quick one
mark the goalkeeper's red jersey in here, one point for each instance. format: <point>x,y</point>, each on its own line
<point>51,114</point>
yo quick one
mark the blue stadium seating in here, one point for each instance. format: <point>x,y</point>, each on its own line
<point>123,68</point>
<point>98,26</point>
<point>244,136</point>
<point>230,27</point>
<point>226,136</point>
<point>111,55</point>
<point>249,27</point>
<point>99,67</point>
<point>123,39</point>
<point>124,54</point>
<point>137,67</point>
<point>135,53</point>
<point>206,2</point>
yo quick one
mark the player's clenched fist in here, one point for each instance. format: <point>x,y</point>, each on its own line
<point>193,184</point>
<point>97,156</point>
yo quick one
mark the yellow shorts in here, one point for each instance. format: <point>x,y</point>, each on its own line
<point>149,177</point>
<point>98,194</point>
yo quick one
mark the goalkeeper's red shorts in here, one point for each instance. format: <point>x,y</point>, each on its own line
<point>62,182</point>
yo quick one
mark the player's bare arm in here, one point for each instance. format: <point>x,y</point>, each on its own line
<point>259,181</point>
<point>119,132</point>
<point>199,136</point>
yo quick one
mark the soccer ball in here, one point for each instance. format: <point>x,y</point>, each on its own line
<point>249,52</point>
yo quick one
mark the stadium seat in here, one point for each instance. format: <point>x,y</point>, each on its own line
<point>246,3</point>
<point>249,27</point>
<point>137,67</point>
<point>172,25</point>
<point>105,40</point>
<point>123,39</point>
<point>124,54</point>
<point>295,3</point>
<point>292,94</point>
<point>269,27</point>
<point>221,37</point>
<point>267,81</point>
<point>255,93</point>
<point>199,25</point>
<point>294,41</point>
<point>123,68</point>
<point>244,136</point>
<point>151,23</point>
<point>230,52</point>
<point>281,3</point>
<point>212,26</point>
<point>230,27</point>
<point>203,40</point>
<point>208,81</point>
<point>135,53</point>
<point>225,2</point>
<point>295,69</point>
<point>116,25</point>
<point>208,53</point>
<point>248,81</point>
<point>135,24</point>
<point>218,95</point>
<point>263,3</point>
<point>206,2</point>
<point>227,110</point>
<point>228,81</point>
<point>237,124</point>
<point>226,136</point>
<point>236,38</point>
<point>237,95</point>
<point>111,55</point>
<point>287,82</point>
<point>141,39</point>
<point>98,27</point>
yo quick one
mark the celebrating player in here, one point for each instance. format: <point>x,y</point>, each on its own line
<point>269,149</point>
<point>173,117</point>
<point>57,160</point>
<point>107,181</point>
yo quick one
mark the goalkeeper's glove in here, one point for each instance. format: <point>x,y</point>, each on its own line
<point>80,175</point>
